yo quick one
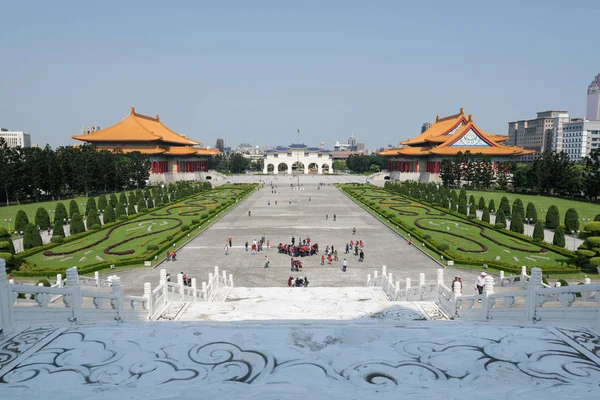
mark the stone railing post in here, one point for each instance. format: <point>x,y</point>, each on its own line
<point>501,278</point>
<point>396,290</point>
<point>97,278</point>
<point>486,302</point>
<point>204,293</point>
<point>524,276</point>
<point>163,282</point>
<point>6,301</point>
<point>440,281</point>
<point>225,278</point>
<point>230,280</point>
<point>181,285</point>
<point>535,285</point>
<point>194,289</point>
<point>216,275</point>
<point>586,295</point>
<point>117,303</point>
<point>421,283</point>
<point>75,296</point>
<point>148,297</point>
<point>368,280</point>
<point>59,280</point>
<point>383,270</point>
<point>557,284</point>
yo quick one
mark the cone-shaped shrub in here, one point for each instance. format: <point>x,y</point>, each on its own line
<point>571,220</point>
<point>492,206</point>
<point>109,214</point>
<point>462,206</point>
<point>5,238</point>
<point>73,208</point>
<point>462,195</point>
<point>485,216</point>
<point>60,214</point>
<point>91,204</point>
<point>21,221</point>
<point>559,237</point>
<point>453,205</point>
<point>132,199</point>
<point>504,205</point>
<point>531,213</point>
<point>538,231</point>
<point>77,225</point>
<point>481,204</point>
<point>500,217</point>
<point>130,209</point>
<point>141,204</point>
<point>93,218</point>
<point>552,218</point>
<point>120,210</point>
<point>102,202</point>
<point>516,222</point>
<point>112,200</point>
<point>42,219</point>
<point>518,208</point>
<point>122,198</point>
<point>31,237</point>
<point>150,202</point>
<point>57,229</point>
<point>454,196</point>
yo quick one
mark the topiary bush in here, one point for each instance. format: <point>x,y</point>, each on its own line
<point>531,213</point>
<point>504,205</point>
<point>552,217</point>
<point>109,214</point>
<point>42,219</point>
<point>21,221</point>
<point>57,239</point>
<point>559,237</point>
<point>571,220</point>
<point>518,208</point>
<point>93,218</point>
<point>102,202</point>
<point>185,228</point>
<point>442,247</point>
<point>77,225</point>
<point>5,238</point>
<point>73,208</point>
<point>96,227</point>
<point>500,217</point>
<point>485,216</point>
<point>516,222</point>
<point>462,206</point>
<point>120,210</point>
<point>131,209</point>
<point>44,282</point>
<point>58,229</point>
<point>538,231</point>
<point>195,222</point>
<point>31,237</point>
<point>500,225</point>
<point>90,205</point>
<point>204,215</point>
<point>492,206</point>
<point>112,200</point>
<point>481,204</point>
<point>169,238</point>
<point>152,247</point>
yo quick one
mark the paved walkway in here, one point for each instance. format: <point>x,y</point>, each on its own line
<point>295,215</point>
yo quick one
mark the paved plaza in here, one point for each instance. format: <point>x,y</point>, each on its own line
<point>295,215</point>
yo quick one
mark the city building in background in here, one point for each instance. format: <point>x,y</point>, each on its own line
<point>86,130</point>
<point>579,138</point>
<point>426,125</point>
<point>420,158</point>
<point>174,157</point>
<point>15,138</point>
<point>535,134</point>
<point>592,112</point>
<point>220,145</point>
<point>352,143</point>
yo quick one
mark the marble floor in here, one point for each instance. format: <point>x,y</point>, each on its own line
<point>190,360</point>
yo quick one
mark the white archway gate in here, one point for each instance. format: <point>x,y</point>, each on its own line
<point>294,154</point>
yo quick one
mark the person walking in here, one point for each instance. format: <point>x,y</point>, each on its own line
<point>334,217</point>
<point>345,265</point>
<point>266,261</point>
<point>480,283</point>
<point>326,217</point>
<point>346,248</point>
<point>306,282</point>
<point>322,259</point>
<point>456,285</point>
<point>268,245</point>
<point>354,231</point>
<point>249,213</point>
<point>226,249</point>
<point>229,240</point>
<point>246,245</point>
<point>361,257</point>
<point>335,256</point>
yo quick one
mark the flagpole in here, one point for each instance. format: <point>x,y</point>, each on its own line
<point>298,162</point>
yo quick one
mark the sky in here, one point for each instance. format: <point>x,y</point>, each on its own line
<point>256,71</point>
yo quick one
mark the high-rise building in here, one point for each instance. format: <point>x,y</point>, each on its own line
<point>352,143</point>
<point>580,138</point>
<point>426,125</point>
<point>592,112</point>
<point>15,138</point>
<point>534,134</point>
<point>558,131</point>
<point>86,130</point>
<point>220,145</point>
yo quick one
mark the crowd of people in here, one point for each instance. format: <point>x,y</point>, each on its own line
<point>298,282</point>
<point>171,256</point>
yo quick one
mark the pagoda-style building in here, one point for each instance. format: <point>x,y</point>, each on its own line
<point>420,158</point>
<point>174,157</point>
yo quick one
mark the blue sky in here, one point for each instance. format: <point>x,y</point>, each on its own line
<point>255,71</point>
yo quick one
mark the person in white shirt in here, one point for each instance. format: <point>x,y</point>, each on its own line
<point>345,265</point>
<point>480,282</point>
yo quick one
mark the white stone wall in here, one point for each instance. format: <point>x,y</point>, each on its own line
<point>324,162</point>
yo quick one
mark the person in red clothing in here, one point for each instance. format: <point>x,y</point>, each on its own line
<point>173,256</point>
<point>168,255</point>
<point>323,259</point>
<point>361,244</point>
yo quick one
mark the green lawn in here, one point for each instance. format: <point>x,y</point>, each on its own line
<point>462,236</point>
<point>30,209</point>
<point>585,210</point>
<point>130,238</point>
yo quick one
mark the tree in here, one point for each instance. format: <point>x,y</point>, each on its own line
<point>538,231</point>
<point>73,208</point>
<point>31,237</point>
<point>472,201</point>
<point>453,205</point>
<point>120,210</point>
<point>91,204</point>
<point>503,173</point>
<point>93,219</point>
<point>21,221</point>
<point>60,213</point>
<point>141,204</point>
<point>597,217</point>
<point>462,206</point>
<point>485,216</point>
<point>454,196</point>
<point>42,219</point>
<point>112,200</point>
<point>130,209</point>
<point>500,218</point>
<point>122,198</point>
<point>102,202</point>
<point>520,176</point>
<point>57,229</point>
<point>109,214</point>
<point>518,208</point>
<point>481,204</point>
<point>559,237</point>
<point>571,220</point>
<point>150,202</point>
<point>77,225</point>
<point>552,217</point>
<point>6,243</point>
<point>504,205</point>
<point>531,213</point>
<point>339,165</point>
<point>516,222</point>
<point>492,206</point>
